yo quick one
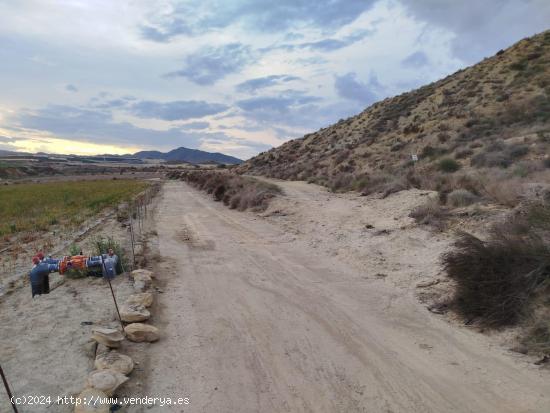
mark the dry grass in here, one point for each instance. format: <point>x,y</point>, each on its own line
<point>461,198</point>
<point>497,279</point>
<point>431,213</point>
<point>235,191</point>
<point>502,191</point>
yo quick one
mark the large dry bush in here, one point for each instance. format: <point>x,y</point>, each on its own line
<point>235,191</point>
<point>499,279</point>
<point>502,189</point>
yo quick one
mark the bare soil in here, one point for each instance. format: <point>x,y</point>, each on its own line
<point>313,307</point>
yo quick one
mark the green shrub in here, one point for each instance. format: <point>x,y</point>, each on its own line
<point>74,249</point>
<point>448,165</point>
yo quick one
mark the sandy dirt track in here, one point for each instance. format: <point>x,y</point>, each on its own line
<point>256,320</point>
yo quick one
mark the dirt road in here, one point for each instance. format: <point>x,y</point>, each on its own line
<point>255,320</point>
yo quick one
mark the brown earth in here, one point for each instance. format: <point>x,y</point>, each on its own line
<point>314,307</point>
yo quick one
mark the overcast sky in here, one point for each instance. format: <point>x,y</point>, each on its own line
<point>235,76</point>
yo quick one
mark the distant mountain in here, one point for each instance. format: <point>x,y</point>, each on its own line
<point>11,153</point>
<point>189,155</point>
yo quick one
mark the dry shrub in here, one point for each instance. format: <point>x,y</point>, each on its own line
<point>498,154</point>
<point>383,183</point>
<point>342,181</point>
<point>497,279</point>
<point>461,198</point>
<point>537,337</point>
<point>503,191</point>
<point>235,191</point>
<point>431,213</point>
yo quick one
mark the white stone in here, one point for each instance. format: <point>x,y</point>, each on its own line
<point>131,313</point>
<point>139,332</point>
<point>144,299</point>
<point>91,396</point>
<point>113,360</point>
<point>109,337</point>
<point>105,380</point>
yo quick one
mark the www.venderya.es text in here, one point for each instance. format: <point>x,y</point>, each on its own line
<point>97,401</point>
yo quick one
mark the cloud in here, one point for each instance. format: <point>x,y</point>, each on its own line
<point>257,15</point>
<point>415,60</point>
<point>7,139</point>
<point>207,66</point>
<point>169,29</point>
<point>176,110</point>
<point>324,45</point>
<point>253,85</point>
<point>329,45</point>
<point>71,88</point>
<point>482,28</point>
<point>281,103</point>
<point>109,104</point>
<point>99,127</point>
<point>293,110</point>
<point>195,125</point>
<point>349,87</point>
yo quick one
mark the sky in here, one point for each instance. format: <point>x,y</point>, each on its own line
<point>231,76</point>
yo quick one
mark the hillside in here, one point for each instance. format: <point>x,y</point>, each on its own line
<point>189,155</point>
<point>493,115</point>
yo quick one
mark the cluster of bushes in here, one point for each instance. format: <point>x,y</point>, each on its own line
<point>235,191</point>
<point>500,155</point>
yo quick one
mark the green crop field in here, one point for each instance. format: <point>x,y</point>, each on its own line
<point>28,207</point>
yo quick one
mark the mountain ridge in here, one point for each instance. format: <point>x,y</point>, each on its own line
<point>189,155</point>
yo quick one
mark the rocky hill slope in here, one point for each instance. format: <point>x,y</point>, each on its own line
<point>493,115</point>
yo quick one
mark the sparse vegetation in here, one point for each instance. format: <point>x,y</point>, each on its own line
<point>492,116</point>
<point>31,207</point>
<point>431,213</point>
<point>461,198</point>
<point>237,192</point>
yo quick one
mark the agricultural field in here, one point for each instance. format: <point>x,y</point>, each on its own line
<point>27,207</point>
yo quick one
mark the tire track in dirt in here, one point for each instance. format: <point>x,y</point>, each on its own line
<point>257,323</point>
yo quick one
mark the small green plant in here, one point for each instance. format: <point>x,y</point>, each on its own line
<point>75,273</point>
<point>74,249</point>
<point>448,165</point>
<point>102,246</point>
